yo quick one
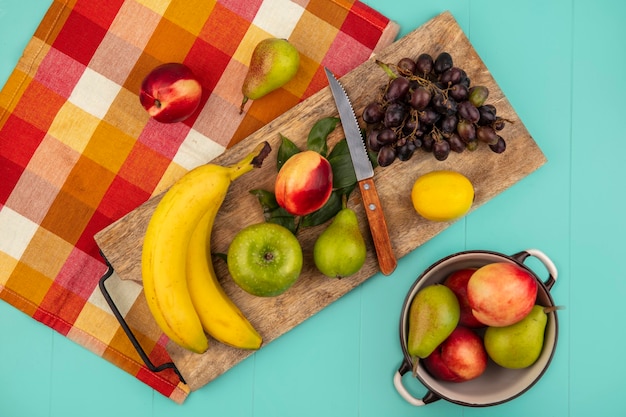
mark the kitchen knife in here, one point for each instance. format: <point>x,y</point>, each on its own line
<point>365,176</point>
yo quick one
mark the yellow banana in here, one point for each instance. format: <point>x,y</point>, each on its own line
<point>164,255</point>
<point>220,317</point>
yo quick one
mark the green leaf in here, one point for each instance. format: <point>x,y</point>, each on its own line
<point>347,190</point>
<point>327,212</point>
<point>318,134</point>
<point>281,217</point>
<point>344,178</point>
<point>286,150</point>
<point>341,163</point>
<point>266,198</point>
<point>373,158</point>
<point>222,256</point>
<point>272,212</point>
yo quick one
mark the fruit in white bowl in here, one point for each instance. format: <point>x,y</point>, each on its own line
<point>433,316</point>
<point>461,357</point>
<point>457,282</point>
<point>519,345</point>
<point>170,93</point>
<point>501,293</point>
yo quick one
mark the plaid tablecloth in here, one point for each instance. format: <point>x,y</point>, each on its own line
<point>78,152</point>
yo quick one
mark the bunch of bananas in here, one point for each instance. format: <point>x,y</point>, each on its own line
<point>180,285</point>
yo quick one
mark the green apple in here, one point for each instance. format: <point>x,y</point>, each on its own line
<point>265,259</point>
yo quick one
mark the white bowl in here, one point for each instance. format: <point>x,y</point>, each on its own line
<point>497,384</point>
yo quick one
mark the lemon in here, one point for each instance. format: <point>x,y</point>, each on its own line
<point>442,195</point>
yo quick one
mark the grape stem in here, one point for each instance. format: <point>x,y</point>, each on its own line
<point>436,133</point>
<point>387,69</point>
<point>432,87</point>
<point>443,100</point>
<point>415,116</point>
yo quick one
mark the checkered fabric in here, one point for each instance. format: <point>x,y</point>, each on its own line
<point>77,150</point>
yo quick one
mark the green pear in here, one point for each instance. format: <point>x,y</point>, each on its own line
<point>433,315</point>
<point>340,250</point>
<point>274,62</point>
<point>518,345</point>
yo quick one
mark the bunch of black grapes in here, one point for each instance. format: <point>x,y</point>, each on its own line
<point>429,104</point>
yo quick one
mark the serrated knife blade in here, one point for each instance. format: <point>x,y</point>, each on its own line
<point>365,176</point>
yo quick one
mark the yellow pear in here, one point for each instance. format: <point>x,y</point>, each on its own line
<point>274,62</point>
<point>518,345</point>
<point>433,315</point>
<point>340,250</point>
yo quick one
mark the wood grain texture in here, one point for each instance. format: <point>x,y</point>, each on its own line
<point>489,172</point>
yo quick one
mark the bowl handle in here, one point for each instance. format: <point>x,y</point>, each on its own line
<point>545,260</point>
<point>404,393</point>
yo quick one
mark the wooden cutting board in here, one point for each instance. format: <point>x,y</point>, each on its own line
<point>489,172</point>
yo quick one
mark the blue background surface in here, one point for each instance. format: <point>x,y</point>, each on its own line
<point>561,65</point>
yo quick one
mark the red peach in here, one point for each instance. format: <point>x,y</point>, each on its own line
<point>501,293</point>
<point>457,282</point>
<point>170,93</point>
<point>304,183</point>
<point>461,357</point>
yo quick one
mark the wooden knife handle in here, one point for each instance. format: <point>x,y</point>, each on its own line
<point>378,226</point>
